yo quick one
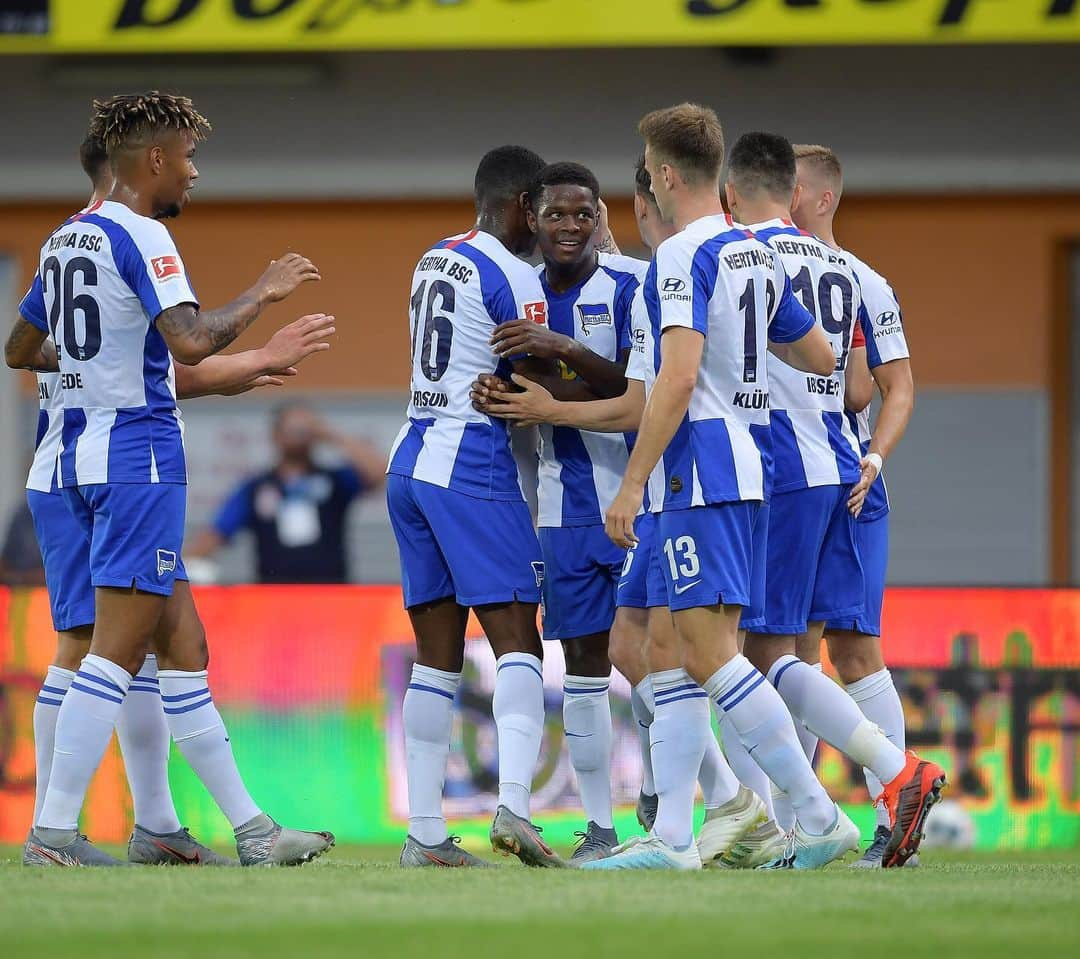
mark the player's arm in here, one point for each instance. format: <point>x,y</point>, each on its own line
<point>681,350</point>
<point>858,383</point>
<point>193,334</point>
<point>29,348</point>
<point>604,377</point>
<point>897,387</point>
<point>794,335</point>
<point>534,404</point>
<point>265,366</point>
<point>605,242</point>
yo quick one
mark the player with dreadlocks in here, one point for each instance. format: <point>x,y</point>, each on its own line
<point>113,292</point>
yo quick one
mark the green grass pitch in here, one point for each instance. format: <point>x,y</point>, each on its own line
<point>356,902</point>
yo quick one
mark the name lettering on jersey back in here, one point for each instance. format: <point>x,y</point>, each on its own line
<point>70,381</point>
<point>443,264</point>
<point>746,259</point>
<point>823,386</point>
<point>430,399</point>
<point>800,248</point>
<point>756,400</point>
<point>42,390</point>
<point>76,240</point>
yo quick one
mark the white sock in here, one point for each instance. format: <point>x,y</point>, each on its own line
<point>879,701</point>
<point>587,722</point>
<point>679,730</point>
<point>807,739</point>
<point>428,715</point>
<point>750,774</point>
<point>49,700</point>
<point>200,735</point>
<point>783,811</point>
<point>831,713</point>
<point>764,725</point>
<point>718,782</point>
<point>84,726</point>
<point>641,703</point>
<point>518,705</point>
<point>144,742</point>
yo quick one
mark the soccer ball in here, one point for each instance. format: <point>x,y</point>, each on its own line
<point>949,826</point>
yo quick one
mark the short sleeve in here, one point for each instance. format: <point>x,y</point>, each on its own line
<point>681,286</point>
<point>150,264</point>
<point>791,321</point>
<point>640,365</point>
<point>236,512</point>
<point>528,295</point>
<point>883,325</point>
<point>32,307</point>
<point>349,482</point>
<point>624,314</point>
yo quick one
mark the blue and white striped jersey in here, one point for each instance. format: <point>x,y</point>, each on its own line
<point>42,476</point>
<point>462,289</point>
<point>580,471</point>
<point>103,279</point>
<point>883,326</point>
<point>642,365</point>
<point>813,444</point>
<point>717,278</point>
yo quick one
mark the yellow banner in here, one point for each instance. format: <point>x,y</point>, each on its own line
<point>130,26</point>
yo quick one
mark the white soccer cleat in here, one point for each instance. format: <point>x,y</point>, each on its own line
<point>805,851</point>
<point>647,852</point>
<point>760,846</point>
<point>727,824</point>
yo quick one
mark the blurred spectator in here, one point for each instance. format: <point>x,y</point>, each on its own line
<point>297,509</point>
<point>20,559</point>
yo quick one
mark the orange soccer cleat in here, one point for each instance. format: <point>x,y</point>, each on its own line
<point>909,798</point>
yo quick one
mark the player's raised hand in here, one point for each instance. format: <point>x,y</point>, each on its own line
<point>296,341</point>
<point>519,337</point>
<point>857,497</point>
<point>485,388</point>
<point>284,275</point>
<point>624,509</point>
<point>532,405</point>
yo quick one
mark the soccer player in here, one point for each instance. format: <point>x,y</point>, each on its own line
<point>143,733</point>
<point>813,572</point>
<point>112,291</point>
<point>588,294</point>
<point>464,532</point>
<point>854,641</point>
<point>643,628</point>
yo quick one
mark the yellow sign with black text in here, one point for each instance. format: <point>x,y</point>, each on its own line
<point>181,26</point>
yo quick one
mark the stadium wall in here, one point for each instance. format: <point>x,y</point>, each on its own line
<point>311,679</point>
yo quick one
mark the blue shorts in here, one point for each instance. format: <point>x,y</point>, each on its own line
<point>642,583</point>
<point>754,614</point>
<point>135,532</point>
<point>872,538</point>
<point>480,551</point>
<point>707,554</point>
<point>65,553</point>
<point>812,573</point>
<point>581,573</point>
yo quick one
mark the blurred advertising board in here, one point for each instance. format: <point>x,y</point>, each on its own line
<point>187,26</point>
<point>310,681</point>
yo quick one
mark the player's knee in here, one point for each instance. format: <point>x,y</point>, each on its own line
<point>854,655</point>
<point>587,655</point>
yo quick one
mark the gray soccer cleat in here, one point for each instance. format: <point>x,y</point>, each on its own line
<point>646,810</point>
<point>64,847</point>
<point>447,855</point>
<point>512,835</point>
<point>871,858</point>
<point>727,824</point>
<point>262,842</point>
<point>178,848</point>
<point>594,843</point>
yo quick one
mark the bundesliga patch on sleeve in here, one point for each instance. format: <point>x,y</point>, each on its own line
<point>166,267</point>
<point>537,312</point>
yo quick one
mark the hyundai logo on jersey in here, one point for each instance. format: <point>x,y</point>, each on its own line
<point>673,285</point>
<point>888,318</point>
<point>593,314</point>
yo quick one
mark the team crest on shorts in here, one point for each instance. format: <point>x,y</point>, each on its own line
<point>538,572</point>
<point>166,561</point>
